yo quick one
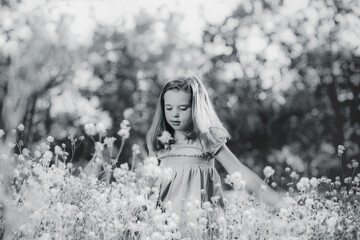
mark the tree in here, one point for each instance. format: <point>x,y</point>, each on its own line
<point>290,72</point>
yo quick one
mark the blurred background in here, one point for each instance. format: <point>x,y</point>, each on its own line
<point>283,75</point>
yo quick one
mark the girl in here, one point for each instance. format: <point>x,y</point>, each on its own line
<point>185,111</point>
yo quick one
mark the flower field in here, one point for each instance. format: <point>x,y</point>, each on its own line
<point>44,196</point>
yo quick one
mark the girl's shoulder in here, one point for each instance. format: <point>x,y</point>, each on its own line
<point>217,134</point>
<point>217,137</point>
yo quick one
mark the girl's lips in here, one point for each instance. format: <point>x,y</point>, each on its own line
<point>175,122</point>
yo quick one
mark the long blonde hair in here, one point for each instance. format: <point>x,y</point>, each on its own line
<point>204,116</point>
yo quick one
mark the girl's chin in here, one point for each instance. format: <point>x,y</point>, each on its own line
<point>178,128</point>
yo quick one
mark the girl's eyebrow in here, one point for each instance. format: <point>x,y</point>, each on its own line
<point>181,105</point>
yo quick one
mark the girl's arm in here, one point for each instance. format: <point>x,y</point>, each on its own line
<point>253,182</point>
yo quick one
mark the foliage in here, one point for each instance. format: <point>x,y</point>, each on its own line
<point>287,69</point>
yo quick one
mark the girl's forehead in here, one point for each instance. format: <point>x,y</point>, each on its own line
<point>177,97</point>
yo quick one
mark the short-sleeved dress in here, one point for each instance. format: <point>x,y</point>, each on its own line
<point>194,177</point>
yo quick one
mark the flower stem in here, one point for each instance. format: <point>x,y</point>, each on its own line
<point>120,150</point>
<point>133,162</point>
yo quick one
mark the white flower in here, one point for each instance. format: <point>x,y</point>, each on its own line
<point>156,236</point>
<point>354,163</point>
<point>136,149</point>
<point>45,236</point>
<point>58,150</point>
<point>221,220</point>
<point>125,124</point>
<point>48,155</point>
<point>283,213</point>
<point>347,180</point>
<point>331,222</point>
<point>124,133</point>
<point>109,141</point>
<point>90,129</point>
<point>100,128</point>
<point>25,152</point>
<point>118,173</point>
<point>37,154</point>
<point>99,146</point>
<point>341,147</point>
<point>235,180</point>
<point>268,171</point>
<point>21,127</point>
<point>314,182</point>
<point>309,202</point>
<point>165,137</point>
<point>128,113</point>
<point>294,175</point>
<point>341,150</point>
<point>303,184</point>
<point>1,133</point>
<point>124,166</point>
<point>50,139</point>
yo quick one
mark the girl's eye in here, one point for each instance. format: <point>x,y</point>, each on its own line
<point>168,109</point>
<point>184,109</point>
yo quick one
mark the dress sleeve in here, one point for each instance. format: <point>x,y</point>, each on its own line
<point>218,140</point>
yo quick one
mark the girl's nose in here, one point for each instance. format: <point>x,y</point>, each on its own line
<point>176,114</point>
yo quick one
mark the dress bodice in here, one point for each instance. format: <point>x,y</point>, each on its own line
<point>185,152</point>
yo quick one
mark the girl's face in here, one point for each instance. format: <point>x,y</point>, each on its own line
<point>177,106</point>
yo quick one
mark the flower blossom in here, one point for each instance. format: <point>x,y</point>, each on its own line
<point>303,184</point>
<point>99,146</point>
<point>100,128</point>
<point>294,175</point>
<point>90,129</point>
<point>124,166</point>
<point>37,154</point>
<point>341,150</point>
<point>128,113</point>
<point>25,152</point>
<point>354,163</point>
<point>109,141</point>
<point>268,171</point>
<point>58,150</point>
<point>125,124</point>
<point>21,127</point>
<point>235,180</point>
<point>165,138</point>
<point>124,133</point>
<point>314,182</point>
<point>50,139</point>
<point>136,149</point>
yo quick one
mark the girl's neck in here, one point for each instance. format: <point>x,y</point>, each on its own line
<point>180,135</point>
